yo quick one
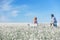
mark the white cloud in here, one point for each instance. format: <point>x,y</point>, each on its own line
<point>6,7</point>
<point>14,13</point>
<point>7,1</point>
<point>3,18</point>
<point>7,10</point>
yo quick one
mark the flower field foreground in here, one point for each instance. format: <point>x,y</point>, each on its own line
<point>17,32</point>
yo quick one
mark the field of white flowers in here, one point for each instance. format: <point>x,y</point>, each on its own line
<point>18,32</point>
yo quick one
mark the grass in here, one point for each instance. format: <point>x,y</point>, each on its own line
<point>29,33</point>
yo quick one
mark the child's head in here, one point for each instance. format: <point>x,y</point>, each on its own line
<point>52,15</point>
<point>35,18</point>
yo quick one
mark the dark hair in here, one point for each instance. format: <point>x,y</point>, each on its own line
<point>52,15</point>
<point>35,18</point>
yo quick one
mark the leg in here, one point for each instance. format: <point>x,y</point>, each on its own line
<point>51,24</point>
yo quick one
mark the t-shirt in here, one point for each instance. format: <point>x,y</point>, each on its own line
<point>35,21</point>
<point>53,20</point>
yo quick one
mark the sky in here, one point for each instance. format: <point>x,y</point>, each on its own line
<point>26,10</point>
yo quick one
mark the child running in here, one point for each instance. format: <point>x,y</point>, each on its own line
<point>53,21</point>
<point>35,20</point>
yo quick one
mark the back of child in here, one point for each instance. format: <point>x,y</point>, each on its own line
<point>53,20</point>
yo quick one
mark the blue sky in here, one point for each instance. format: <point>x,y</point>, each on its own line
<point>26,10</point>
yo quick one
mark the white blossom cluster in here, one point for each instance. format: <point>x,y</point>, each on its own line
<point>29,33</point>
